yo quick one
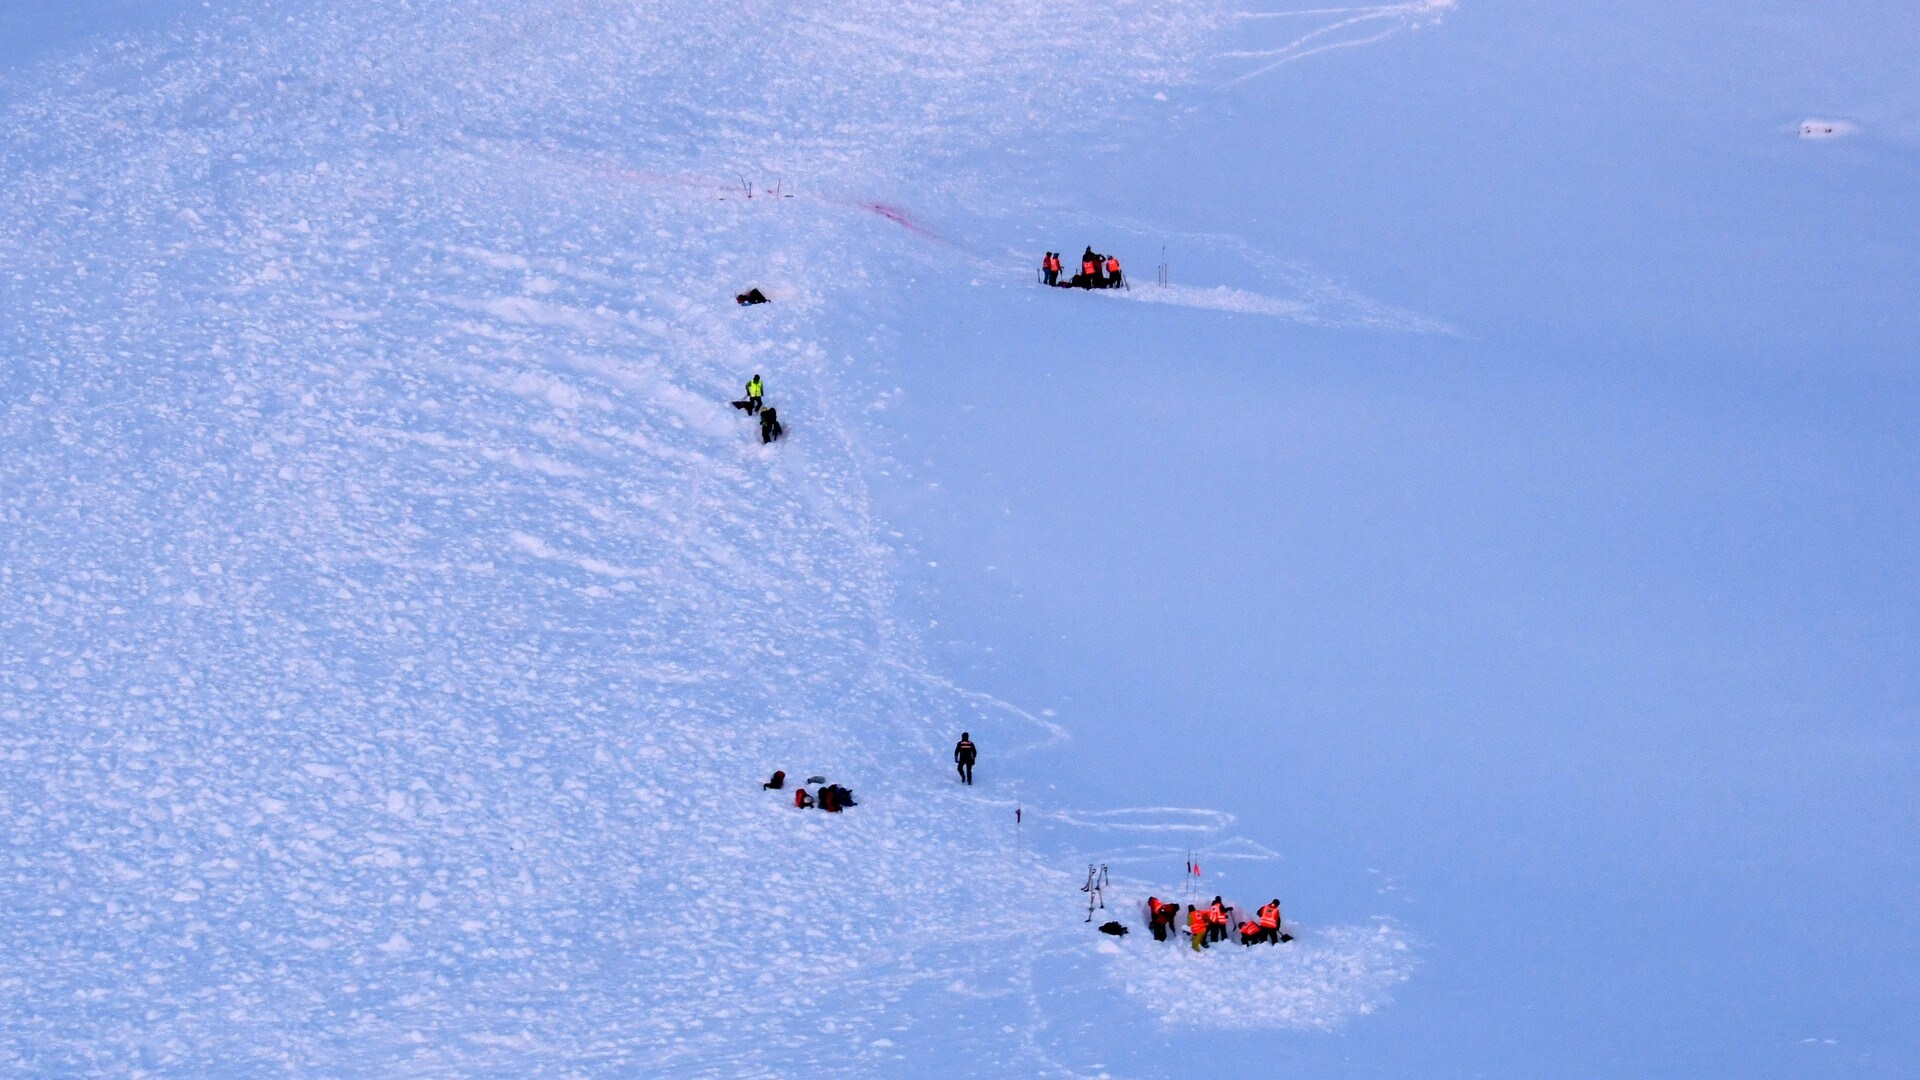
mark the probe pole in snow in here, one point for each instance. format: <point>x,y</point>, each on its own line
<point>1094,888</point>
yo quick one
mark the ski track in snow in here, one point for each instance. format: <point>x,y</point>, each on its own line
<point>1337,28</point>
<point>1310,297</point>
<point>395,621</point>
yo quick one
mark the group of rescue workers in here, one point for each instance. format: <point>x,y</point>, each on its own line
<point>1097,271</point>
<point>832,798</point>
<point>1206,925</point>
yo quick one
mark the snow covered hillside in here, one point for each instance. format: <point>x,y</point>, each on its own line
<point>396,622</point>
<point>1494,540</point>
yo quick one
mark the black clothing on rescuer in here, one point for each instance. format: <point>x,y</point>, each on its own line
<point>963,754</point>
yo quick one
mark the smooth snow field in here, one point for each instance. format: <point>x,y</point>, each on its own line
<point>1496,539</point>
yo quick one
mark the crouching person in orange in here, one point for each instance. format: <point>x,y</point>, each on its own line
<point>1160,917</point>
<point>1250,932</point>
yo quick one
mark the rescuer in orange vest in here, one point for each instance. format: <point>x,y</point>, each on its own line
<point>1217,920</point>
<point>1265,926</point>
<point>1160,917</point>
<point>1113,272</point>
<point>1197,924</point>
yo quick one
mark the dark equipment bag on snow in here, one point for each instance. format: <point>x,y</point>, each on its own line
<point>1115,928</point>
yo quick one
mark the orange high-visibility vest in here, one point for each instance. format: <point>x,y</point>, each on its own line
<point>1270,916</point>
<point>1197,922</point>
<point>1113,265</point>
<point>1087,267</point>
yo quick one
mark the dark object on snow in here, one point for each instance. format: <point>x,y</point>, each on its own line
<point>802,800</point>
<point>746,405</point>
<point>1114,928</point>
<point>770,428</point>
<point>963,754</point>
<point>816,779</point>
<point>834,798</point>
<point>779,781</point>
<point>750,297</point>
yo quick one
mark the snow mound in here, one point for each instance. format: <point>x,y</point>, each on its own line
<point>1221,298</point>
<point>1316,981</point>
<point>1827,129</point>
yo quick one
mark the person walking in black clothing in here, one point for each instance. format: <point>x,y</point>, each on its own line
<point>963,755</point>
<point>770,428</point>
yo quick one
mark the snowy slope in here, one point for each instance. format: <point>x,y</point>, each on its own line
<point>395,621</point>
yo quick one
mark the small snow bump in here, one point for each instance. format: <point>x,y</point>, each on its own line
<point>1827,129</point>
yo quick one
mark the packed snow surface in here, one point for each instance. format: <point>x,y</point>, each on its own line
<point>397,623</point>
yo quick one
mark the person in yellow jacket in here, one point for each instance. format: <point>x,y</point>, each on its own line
<point>755,390</point>
<point>1197,925</point>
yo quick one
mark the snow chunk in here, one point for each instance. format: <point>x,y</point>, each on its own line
<point>1827,129</point>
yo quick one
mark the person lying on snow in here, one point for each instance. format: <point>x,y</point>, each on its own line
<point>750,297</point>
<point>779,781</point>
<point>834,798</point>
<point>802,800</point>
